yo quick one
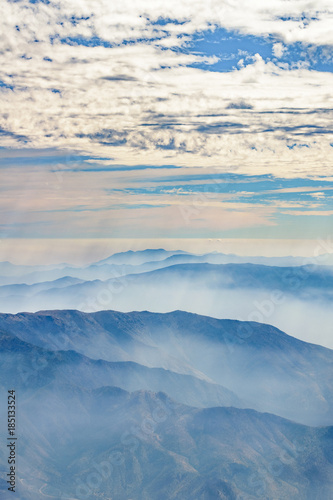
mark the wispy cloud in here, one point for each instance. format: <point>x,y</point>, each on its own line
<point>124,202</point>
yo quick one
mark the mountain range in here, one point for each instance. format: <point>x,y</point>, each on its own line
<point>133,262</point>
<point>246,364</point>
<point>295,299</point>
<point>131,384</point>
<point>132,406</point>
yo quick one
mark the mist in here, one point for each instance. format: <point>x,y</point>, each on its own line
<point>297,300</point>
<point>219,370</point>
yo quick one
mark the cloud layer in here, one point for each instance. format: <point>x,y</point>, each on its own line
<point>123,82</point>
<point>122,119</point>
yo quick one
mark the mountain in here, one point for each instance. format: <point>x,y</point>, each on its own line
<point>90,272</point>
<point>221,258</point>
<point>263,366</point>
<point>27,366</point>
<point>134,262</point>
<point>139,256</point>
<point>304,281</point>
<point>247,276</point>
<point>143,405</point>
<point>108,443</point>
<point>161,422</point>
<point>9,269</point>
<point>29,290</point>
<point>297,300</point>
<point>116,265</point>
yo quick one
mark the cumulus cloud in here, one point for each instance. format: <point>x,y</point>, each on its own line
<point>278,49</point>
<point>113,80</point>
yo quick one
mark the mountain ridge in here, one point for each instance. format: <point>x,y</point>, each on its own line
<point>247,358</point>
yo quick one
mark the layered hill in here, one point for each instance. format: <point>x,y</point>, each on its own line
<point>265,368</point>
<point>107,443</point>
<point>297,300</point>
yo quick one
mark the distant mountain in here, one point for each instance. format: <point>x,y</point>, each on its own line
<point>263,366</point>
<point>29,290</point>
<point>107,443</point>
<point>295,299</point>
<point>116,265</point>
<point>134,262</point>
<point>9,269</point>
<point>139,257</point>
<point>168,405</point>
<point>220,258</point>
<point>305,282</point>
<point>91,272</point>
<point>247,276</point>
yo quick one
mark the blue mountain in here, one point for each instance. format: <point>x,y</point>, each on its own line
<point>263,366</point>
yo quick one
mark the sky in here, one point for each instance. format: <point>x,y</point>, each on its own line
<point>151,119</point>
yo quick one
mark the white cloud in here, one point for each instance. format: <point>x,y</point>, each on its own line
<point>295,20</point>
<point>278,49</point>
<point>318,195</point>
<point>142,103</point>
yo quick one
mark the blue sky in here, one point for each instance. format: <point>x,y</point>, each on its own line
<point>166,120</point>
<point>231,47</point>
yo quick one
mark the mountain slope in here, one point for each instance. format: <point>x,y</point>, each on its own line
<point>295,299</point>
<point>82,436</point>
<point>140,256</point>
<point>29,290</point>
<point>25,366</point>
<point>133,262</point>
<point>260,364</point>
<point>107,443</point>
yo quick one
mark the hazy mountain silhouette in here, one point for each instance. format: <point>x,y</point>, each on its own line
<point>238,291</point>
<point>25,366</point>
<point>263,366</point>
<point>107,443</point>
